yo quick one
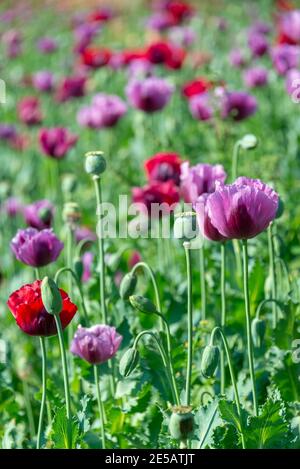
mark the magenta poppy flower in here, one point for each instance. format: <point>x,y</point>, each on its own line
<point>12,207</point>
<point>56,142</point>
<point>285,57</point>
<point>200,107</point>
<point>105,111</point>
<point>157,193</point>
<point>255,77</point>
<point>238,105</point>
<point>12,39</point>
<point>257,43</point>
<point>199,179</point>
<point>236,58</point>
<point>47,45</point>
<point>290,25</point>
<point>29,111</point>
<point>39,214</point>
<point>150,95</point>
<point>43,81</point>
<point>71,87</point>
<point>84,232</point>
<point>292,83</point>
<point>36,248</point>
<point>96,344</point>
<point>243,209</point>
<point>87,261</point>
<point>205,225</point>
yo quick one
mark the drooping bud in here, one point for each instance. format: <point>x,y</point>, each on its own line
<point>69,184</point>
<point>71,213</point>
<point>128,285</point>
<point>280,208</point>
<point>95,163</point>
<point>51,296</point>
<point>185,226</point>
<point>210,360</point>
<point>129,362</point>
<point>249,142</point>
<point>142,304</point>
<point>45,214</point>
<point>78,267</point>
<point>181,423</point>
<point>258,329</point>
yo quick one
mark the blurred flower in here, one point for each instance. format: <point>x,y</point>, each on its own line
<point>56,142</point>
<point>238,105</point>
<point>30,314</point>
<point>12,40</point>
<point>95,57</point>
<point>292,82</point>
<point>105,111</point>
<point>134,258</point>
<point>289,26</point>
<point>243,209</point>
<point>160,21</point>
<point>259,27</point>
<point>257,43</point>
<point>47,45</point>
<point>163,167</point>
<point>43,80</point>
<point>29,111</point>
<point>96,344</point>
<point>236,58</point>
<point>102,14</point>
<point>165,53</point>
<point>84,34</point>
<point>256,76</point>
<point>200,107</point>
<point>182,36</point>
<point>71,87</point>
<point>140,68</point>
<point>12,207</point>
<point>39,214</point>
<point>156,192</point>
<point>199,179</point>
<point>87,261</point>
<point>178,9</point>
<point>83,232</point>
<point>285,57</point>
<point>36,248</point>
<point>197,86</point>
<point>7,132</point>
<point>206,227</point>
<point>150,95</point>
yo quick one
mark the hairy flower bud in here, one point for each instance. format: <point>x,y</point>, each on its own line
<point>210,360</point>
<point>128,285</point>
<point>129,362</point>
<point>258,329</point>
<point>249,142</point>
<point>142,304</point>
<point>95,163</point>
<point>51,296</point>
<point>280,209</point>
<point>181,423</point>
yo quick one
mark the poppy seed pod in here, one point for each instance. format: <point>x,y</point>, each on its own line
<point>95,163</point>
<point>258,329</point>
<point>181,423</point>
<point>210,360</point>
<point>128,285</point>
<point>129,362</point>
<point>142,304</point>
<point>78,267</point>
<point>51,296</point>
<point>249,142</point>
<point>185,226</point>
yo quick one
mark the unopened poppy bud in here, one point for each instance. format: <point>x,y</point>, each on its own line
<point>69,184</point>
<point>45,214</point>
<point>185,226</point>
<point>129,362</point>
<point>210,360</point>
<point>142,304</point>
<point>78,267</point>
<point>71,213</point>
<point>249,142</point>
<point>128,285</point>
<point>95,163</point>
<point>51,296</point>
<point>258,329</point>
<point>181,423</point>
<point>280,208</point>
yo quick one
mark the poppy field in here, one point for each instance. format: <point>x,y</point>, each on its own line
<point>149,228</point>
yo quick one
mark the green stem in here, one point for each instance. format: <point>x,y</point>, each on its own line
<point>78,284</point>
<point>100,405</point>
<point>43,401</point>
<point>223,313</point>
<point>147,268</point>
<point>29,410</point>
<point>232,376</point>
<point>235,157</point>
<point>273,275</point>
<point>66,379</point>
<point>264,302</point>
<point>248,324</point>
<point>202,281</point>
<point>186,246</point>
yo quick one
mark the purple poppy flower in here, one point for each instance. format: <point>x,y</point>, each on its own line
<point>199,179</point>
<point>238,105</point>
<point>200,107</point>
<point>236,58</point>
<point>12,207</point>
<point>84,233</point>
<point>259,27</point>
<point>150,95</point>
<point>205,226</point>
<point>292,83</point>
<point>290,25</point>
<point>56,142</point>
<point>183,36</point>
<point>243,209</point>
<point>43,80</point>
<point>140,68</point>
<point>285,57</point>
<point>13,42</point>
<point>71,87</point>
<point>7,132</point>
<point>36,248</point>
<point>47,45</point>
<point>255,77</point>
<point>160,21</point>
<point>84,34</point>
<point>111,108</point>
<point>96,344</point>
<point>39,215</point>
<point>87,261</point>
<point>257,43</point>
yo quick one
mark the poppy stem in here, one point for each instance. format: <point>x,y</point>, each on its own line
<point>223,313</point>
<point>43,401</point>
<point>248,323</point>
<point>100,406</point>
<point>202,281</point>
<point>186,246</point>
<point>28,407</point>
<point>273,275</point>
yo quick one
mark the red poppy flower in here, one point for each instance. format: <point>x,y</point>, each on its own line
<point>95,57</point>
<point>163,167</point>
<point>198,86</point>
<point>179,10</point>
<point>165,53</point>
<point>131,55</point>
<point>30,314</point>
<point>157,192</point>
<point>285,5</point>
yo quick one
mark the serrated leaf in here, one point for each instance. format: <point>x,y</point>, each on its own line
<point>60,429</point>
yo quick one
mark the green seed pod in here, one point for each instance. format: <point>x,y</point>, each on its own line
<point>185,226</point>
<point>95,163</point>
<point>258,329</point>
<point>51,296</point>
<point>142,304</point>
<point>181,423</point>
<point>128,285</point>
<point>248,142</point>
<point>280,208</point>
<point>78,267</point>
<point>210,360</point>
<point>129,362</point>
<point>69,184</point>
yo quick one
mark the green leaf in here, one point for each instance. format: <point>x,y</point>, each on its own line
<point>59,432</point>
<point>229,414</point>
<point>207,419</point>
